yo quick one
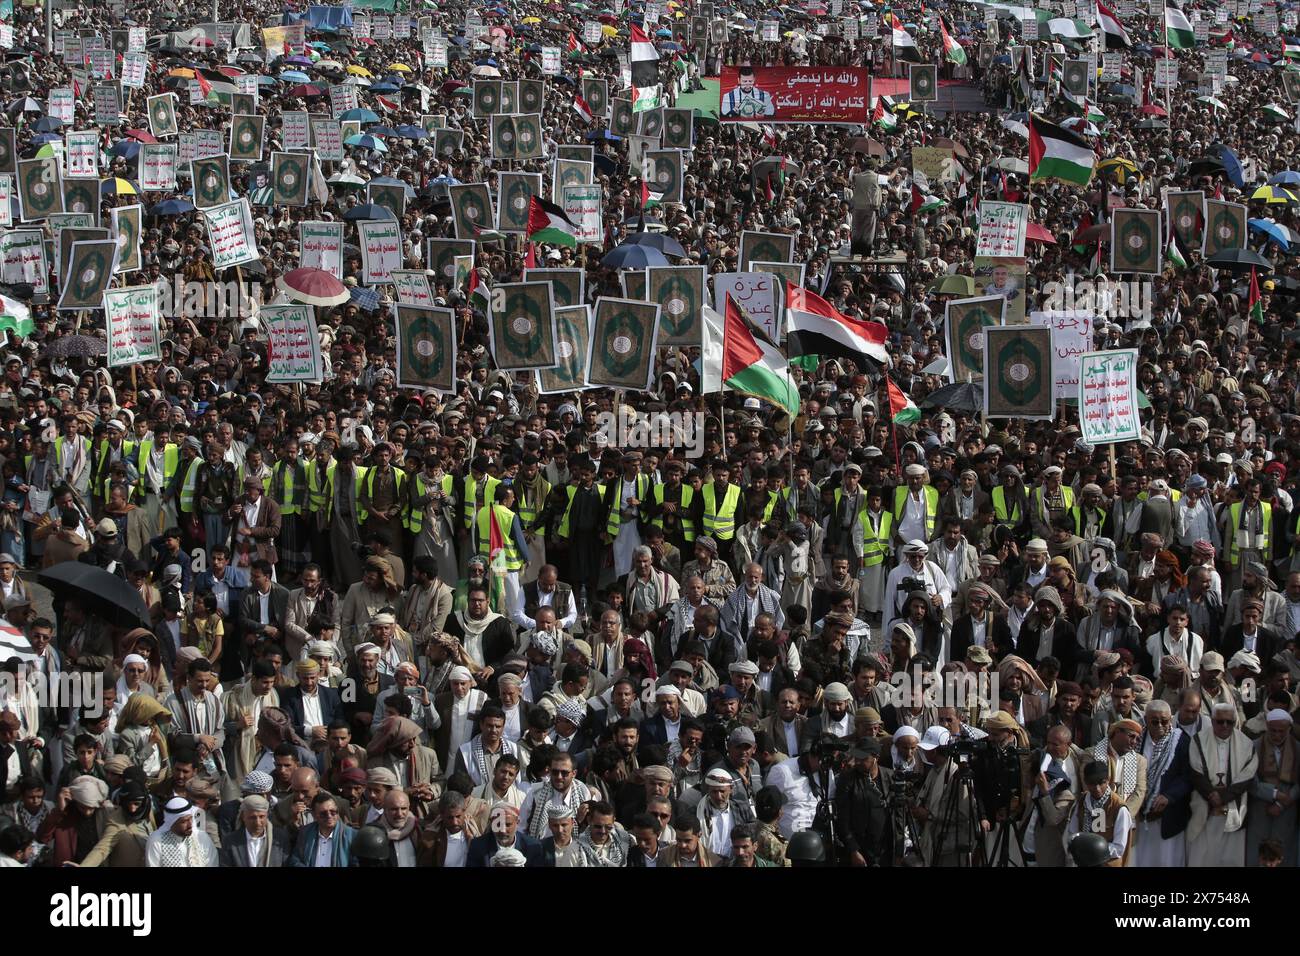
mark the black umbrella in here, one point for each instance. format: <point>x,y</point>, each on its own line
<point>658,240</point>
<point>78,346</point>
<point>957,397</point>
<point>104,593</point>
<point>1239,260</point>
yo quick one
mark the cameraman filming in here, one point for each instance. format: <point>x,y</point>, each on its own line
<point>1003,781</point>
<point>862,809</point>
<point>805,783</point>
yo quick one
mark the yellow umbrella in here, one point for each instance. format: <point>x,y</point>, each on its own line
<point>608,31</point>
<point>400,67</point>
<point>1274,195</point>
<point>359,71</point>
<point>183,71</point>
<point>531,20</point>
<point>120,186</point>
<point>1118,162</point>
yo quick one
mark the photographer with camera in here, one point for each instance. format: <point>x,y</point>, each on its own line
<point>863,801</point>
<point>806,782</point>
<point>947,805</point>
<point>1003,780</point>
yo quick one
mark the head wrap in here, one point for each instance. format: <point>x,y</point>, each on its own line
<point>256,781</point>
<point>1012,663</point>
<point>90,792</point>
<point>177,808</point>
<point>393,732</point>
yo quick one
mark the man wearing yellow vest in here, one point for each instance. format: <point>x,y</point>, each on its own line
<point>717,509</point>
<point>877,533</point>
<point>843,527</point>
<point>156,462</point>
<point>916,506</point>
<point>290,490</point>
<point>627,508</point>
<point>381,498</point>
<point>1011,503</point>
<point>513,545</point>
<point>431,516</point>
<point>342,505</point>
<point>531,489</point>
<point>1246,528</point>
<point>1049,502</point>
<point>112,448</point>
<point>583,516</point>
<point>670,506</point>
<point>318,470</point>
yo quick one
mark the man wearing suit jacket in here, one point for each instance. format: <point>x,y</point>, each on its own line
<point>504,832</point>
<point>1250,634</point>
<point>785,727</point>
<point>263,605</point>
<point>224,580</point>
<point>1167,809</point>
<point>327,825</point>
<point>662,728</point>
<point>979,625</point>
<point>954,555</point>
<point>1057,784</point>
<point>311,705</point>
<point>256,843</point>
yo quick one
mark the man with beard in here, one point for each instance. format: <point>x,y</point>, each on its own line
<point>864,824</point>
<point>478,757</point>
<point>1223,766</point>
<point>396,747</point>
<point>1162,821</point>
<point>486,636</point>
<point>560,790</point>
<point>799,781</point>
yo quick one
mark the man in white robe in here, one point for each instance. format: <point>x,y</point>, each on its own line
<point>1223,764</point>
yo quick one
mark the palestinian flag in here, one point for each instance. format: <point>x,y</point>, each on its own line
<point>1178,31</point>
<point>644,59</point>
<point>479,288</point>
<point>923,202</point>
<point>1113,31</point>
<point>1291,51</point>
<point>574,48</point>
<point>485,235</point>
<point>1254,307</point>
<point>582,109</point>
<point>548,223</point>
<point>902,410</point>
<point>649,198</point>
<point>1056,153</point>
<point>814,327</point>
<point>755,368</point>
<point>952,50</point>
<point>646,98</point>
<point>882,116</point>
<point>1173,255</point>
<point>904,45</point>
<point>15,317</point>
<point>1079,246</point>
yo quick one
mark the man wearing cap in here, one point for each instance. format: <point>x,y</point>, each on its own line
<point>1049,502</point>
<point>1033,570</point>
<point>312,705</point>
<point>719,811</point>
<point>946,807</point>
<point>457,708</point>
<point>916,508</point>
<point>915,566</point>
<point>863,819</point>
<point>255,843</point>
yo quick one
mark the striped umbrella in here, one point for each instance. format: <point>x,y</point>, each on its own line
<point>13,643</point>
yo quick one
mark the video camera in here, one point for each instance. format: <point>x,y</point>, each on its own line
<point>832,751</point>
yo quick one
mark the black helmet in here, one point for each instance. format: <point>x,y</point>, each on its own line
<point>806,849</point>
<point>1089,849</point>
<point>370,845</point>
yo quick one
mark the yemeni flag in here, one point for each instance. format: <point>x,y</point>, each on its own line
<point>1056,153</point>
<point>952,50</point>
<point>1254,307</point>
<point>548,223</point>
<point>755,368</point>
<point>904,45</point>
<point>1178,31</point>
<point>582,109</point>
<point>902,410</point>
<point>1113,31</point>
<point>814,327</point>
<point>644,59</point>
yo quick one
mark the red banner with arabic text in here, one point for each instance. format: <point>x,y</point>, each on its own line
<point>795,94</point>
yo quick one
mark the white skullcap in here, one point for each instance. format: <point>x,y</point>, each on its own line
<point>134,659</point>
<point>367,648</point>
<point>668,690</point>
<point>1225,708</point>
<point>460,672</point>
<point>1277,713</point>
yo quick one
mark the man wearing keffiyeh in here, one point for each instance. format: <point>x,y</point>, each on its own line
<point>1162,820</point>
<point>177,843</point>
<point>1100,804</point>
<point>1127,767</point>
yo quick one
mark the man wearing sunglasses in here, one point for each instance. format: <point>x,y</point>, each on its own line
<point>1223,762</point>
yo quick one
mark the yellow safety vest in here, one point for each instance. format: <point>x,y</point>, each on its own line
<point>171,458</point>
<point>287,507</point>
<point>931,506</point>
<point>471,496</point>
<point>399,483</point>
<point>316,480</point>
<point>101,485</point>
<point>1263,542</point>
<point>616,519</point>
<point>529,510</point>
<point>505,521</point>
<point>720,517</point>
<point>875,545</point>
<point>187,485</point>
<point>358,475</point>
<point>683,511</point>
<point>1010,519</point>
<point>413,517</point>
<point>563,528</point>
<point>1067,496</point>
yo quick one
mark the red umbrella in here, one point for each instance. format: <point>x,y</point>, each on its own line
<point>1037,232</point>
<point>314,287</point>
<point>306,91</point>
<point>1152,110</point>
<point>141,135</point>
<point>230,71</point>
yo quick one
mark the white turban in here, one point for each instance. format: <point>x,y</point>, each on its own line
<point>460,672</point>
<point>1277,713</point>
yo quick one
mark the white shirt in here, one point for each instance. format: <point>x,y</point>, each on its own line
<point>264,607</point>
<point>764,680</point>
<point>842,727</point>
<point>791,736</point>
<point>405,853</point>
<point>311,710</point>
<point>221,591</point>
<point>800,801</point>
<point>672,728</point>
<point>720,838</point>
<point>978,631</point>
<point>457,850</point>
<point>255,849</point>
<point>325,848</point>
<point>513,730</point>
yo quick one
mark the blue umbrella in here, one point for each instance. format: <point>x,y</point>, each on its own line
<point>1278,233</point>
<point>394,181</point>
<point>631,255</point>
<point>295,76</point>
<point>46,137</point>
<point>657,240</point>
<point>669,47</point>
<point>126,148</point>
<point>384,88</point>
<point>48,124</point>
<point>171,207</point>
<point>1288,177</point>
<point>486,61</point>
<point>360,113</point>
<point>368,210</point>
<point>603,134</point>
<point>266,81</point>
<point>411,132</point>
<point>381,131</point>
<point>366,142</point>
<point>1232,166</point>
<point>665,34</point>
<point>444,181</point>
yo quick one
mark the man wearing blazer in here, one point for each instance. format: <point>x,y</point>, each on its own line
<point>263,605</point>
<point>328,825</point>
<point>785,727</point>
<point>311,705</point>
<point>1265,642</point>
<point>504,832</point>
<point>979,617</point>
<point>256,843</point>
<point>1167,810</point>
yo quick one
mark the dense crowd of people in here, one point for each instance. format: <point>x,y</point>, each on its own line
<point>388,626</point>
